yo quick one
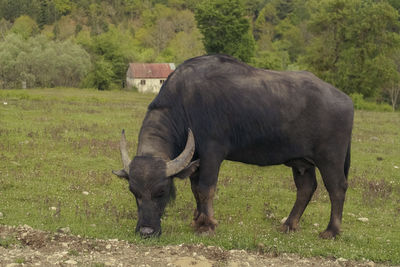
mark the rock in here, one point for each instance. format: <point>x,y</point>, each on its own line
<point>71,262</point>
<point>370,263</point>
<point>283,220</point>
<point>1,215</point>
<point>362,219</point>
<point>64,230</point>
<point>260,246</point>
<point>85,193</point>
<point>108,246</point>
<point>202,258</point>
<point>53,208</point>
<point>27,227</point>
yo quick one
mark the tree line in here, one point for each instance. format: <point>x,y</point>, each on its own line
<point>353,44</point>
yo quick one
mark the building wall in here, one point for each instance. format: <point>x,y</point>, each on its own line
<point>145,85</point>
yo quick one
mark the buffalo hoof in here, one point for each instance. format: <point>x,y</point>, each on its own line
<point>285,228</point>
<point>328,234</point>
<point>288,226</point>
<point>204,225</point>
<point>288,229</point>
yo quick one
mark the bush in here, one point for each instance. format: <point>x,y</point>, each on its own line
<point>39,62</point>
<point>361,104</point>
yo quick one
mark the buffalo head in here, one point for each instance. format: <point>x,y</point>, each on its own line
<point>150,181</point>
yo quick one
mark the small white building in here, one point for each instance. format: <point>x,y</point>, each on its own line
<point>148,77</point>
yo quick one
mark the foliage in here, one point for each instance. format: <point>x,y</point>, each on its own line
<point>102,75</point>
<point>280,32</point>
<point>225,28</point>
<point>182,47</point>
<point>274,59</point>
<point>63,6</point>
<point>58,143</point>
<point>12,9</point>
<point>39,62</point>
<point>163,28</point>
<point>25,27</point>
<point>5,26</point>
<point>352,45</point>
<point>110,47</point>
<point>361,104</point>
<point>395,4</point>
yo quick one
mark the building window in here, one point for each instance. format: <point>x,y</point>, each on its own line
<point>142,82</point>
<point>162,81</point>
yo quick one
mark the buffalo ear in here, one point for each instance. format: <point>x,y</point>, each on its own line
<point>189,170</point>
<point>121,174</point>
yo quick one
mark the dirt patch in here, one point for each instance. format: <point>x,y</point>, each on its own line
<point>23,245</point>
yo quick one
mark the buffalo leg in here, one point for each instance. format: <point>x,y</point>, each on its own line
<point>306,184</point>
<point>194,180</point>
<point>336,183</point>
<point>203,191</point>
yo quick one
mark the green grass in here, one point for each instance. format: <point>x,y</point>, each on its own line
<point>7,242</point>
<point>57,143</point>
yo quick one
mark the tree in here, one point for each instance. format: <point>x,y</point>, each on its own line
<point>264,25</point>
<point>48,13</point>
<point>182,47</point>
<point>394,94</point>
<point>25,26</point>
<point>392,88</point>
<point>253,7</point>
<point>111,52</point>
<point>395,4</point>
<point>352,44</point>
<point>274,58</point>
<point>102,75</point>
<point>5,26</point>
<point>12,9</point>
<point>63,7</point>
<point>40,62</point>
<point>225,28</point>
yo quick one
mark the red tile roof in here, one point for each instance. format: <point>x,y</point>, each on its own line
<point>150,70</point>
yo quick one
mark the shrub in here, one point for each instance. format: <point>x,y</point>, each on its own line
<point>39,62</point>
<point>362,104</point>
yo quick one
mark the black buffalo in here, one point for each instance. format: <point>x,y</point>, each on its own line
<point>213,108</point>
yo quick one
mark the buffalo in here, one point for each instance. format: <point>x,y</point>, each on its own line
<point>213,108</point>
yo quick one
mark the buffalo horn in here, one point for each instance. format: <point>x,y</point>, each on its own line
<point>124,152</point>
<point>180,162</point>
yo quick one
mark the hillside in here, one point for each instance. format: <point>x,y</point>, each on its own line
<point>353,45</point>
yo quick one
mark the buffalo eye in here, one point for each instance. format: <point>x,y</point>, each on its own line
<point>159,194</point>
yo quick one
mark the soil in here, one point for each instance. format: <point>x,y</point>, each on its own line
<point>24,246</point>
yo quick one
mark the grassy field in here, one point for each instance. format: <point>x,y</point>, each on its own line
<point>58,147</point>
